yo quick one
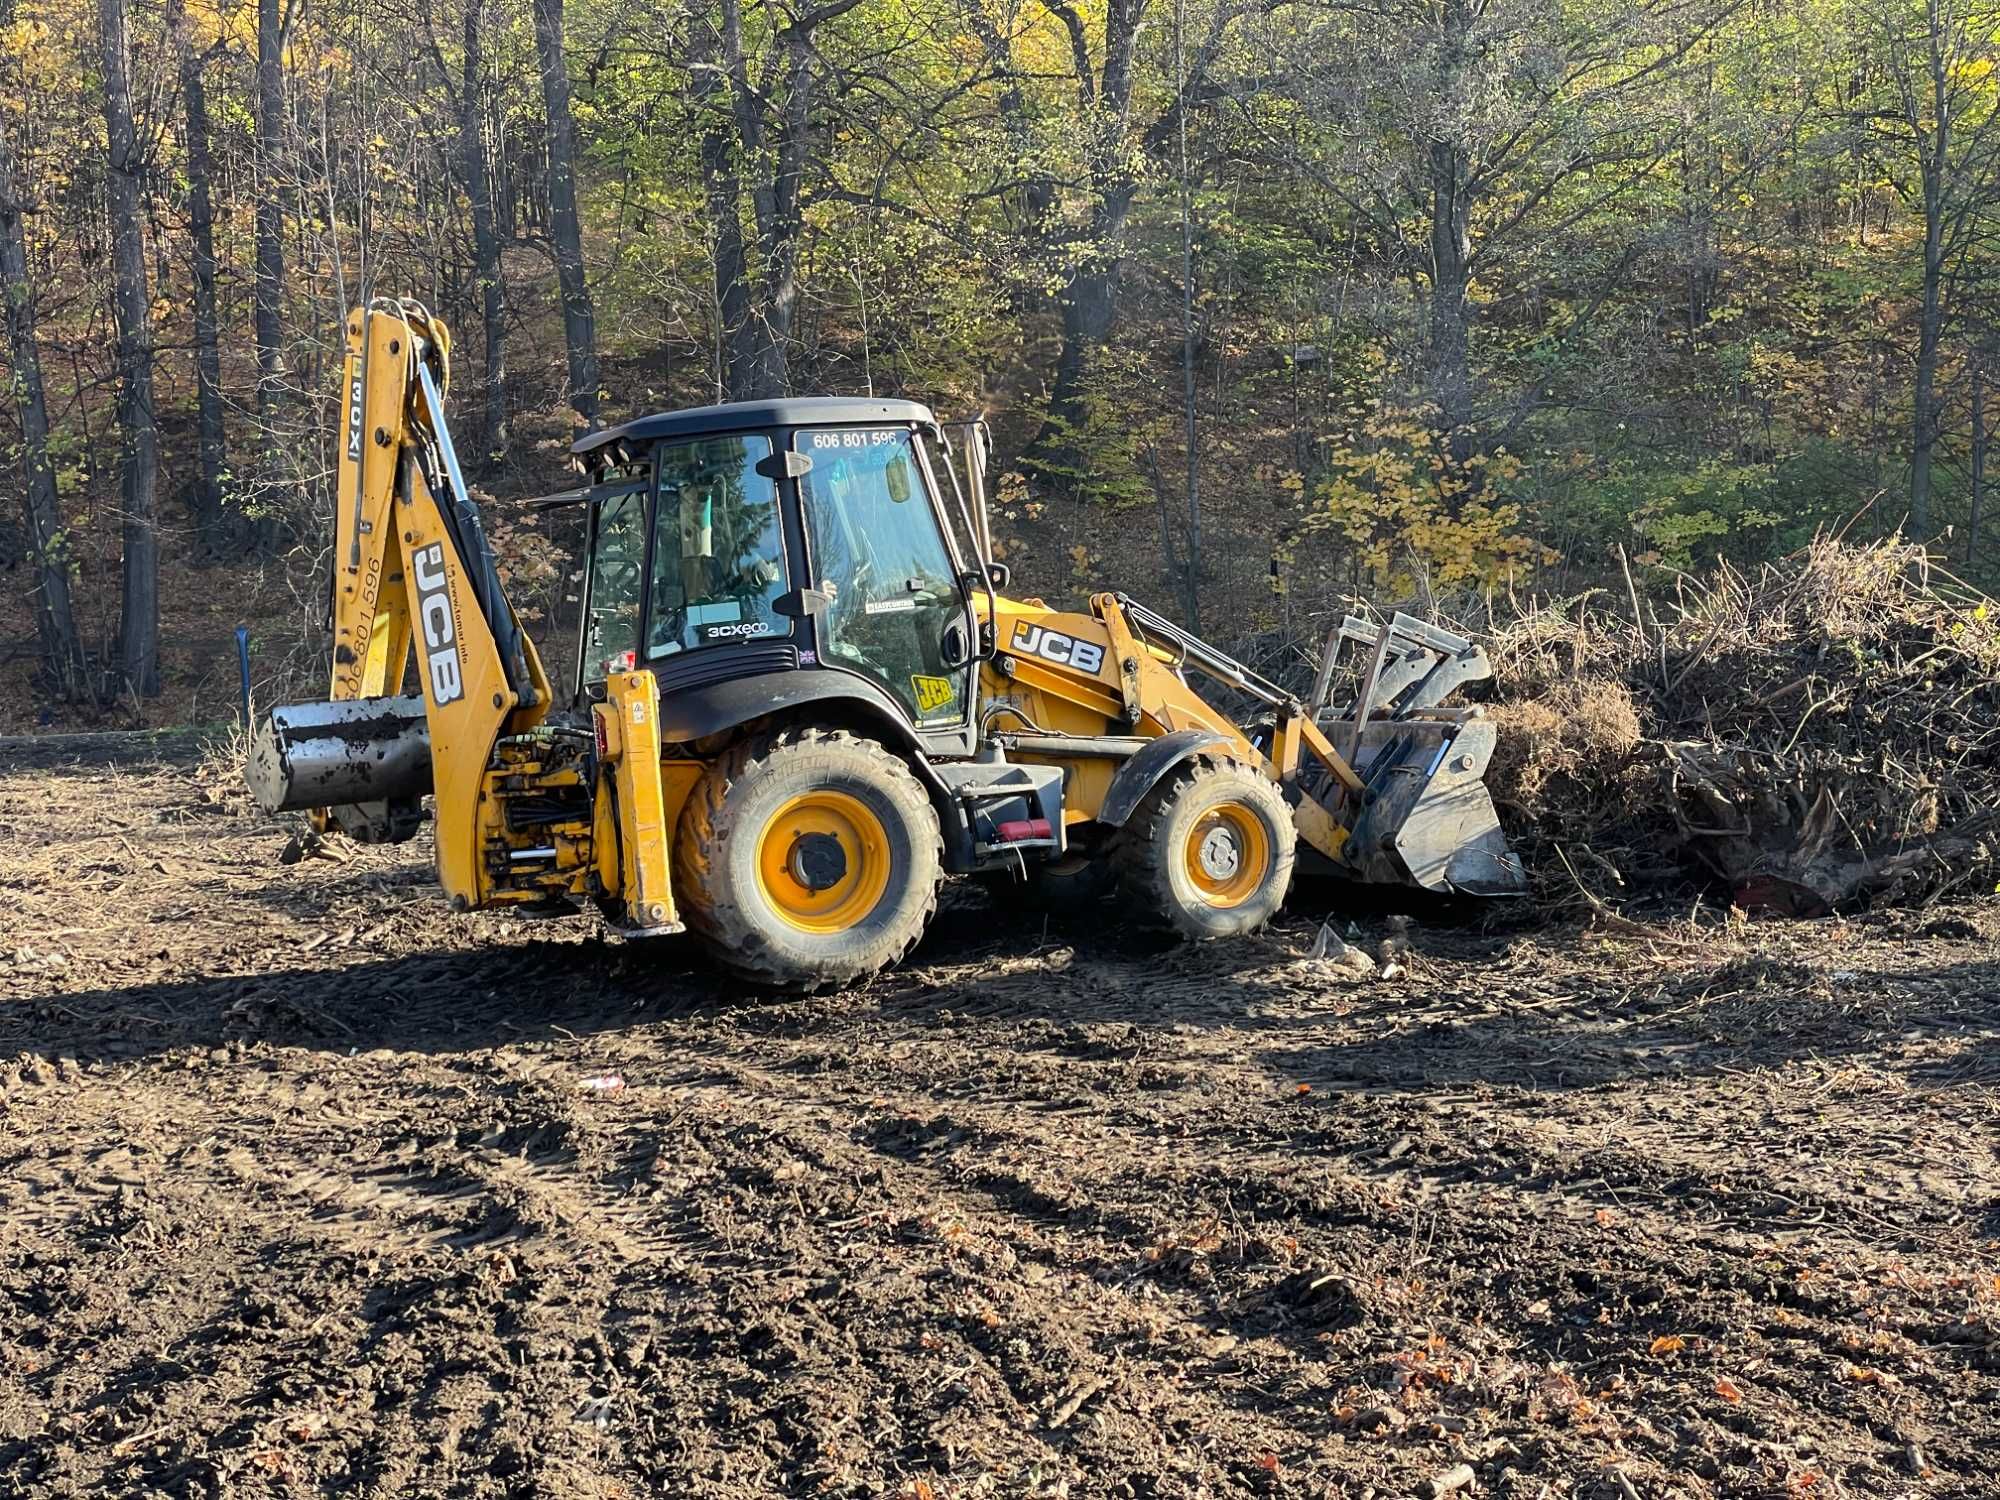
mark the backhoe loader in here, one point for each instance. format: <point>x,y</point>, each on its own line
<point>803,697</point>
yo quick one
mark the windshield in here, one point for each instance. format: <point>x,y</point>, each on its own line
<point>718,561</point>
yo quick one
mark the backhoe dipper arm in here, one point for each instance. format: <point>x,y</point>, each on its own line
<point>412,568</point>
<point>530,809</point>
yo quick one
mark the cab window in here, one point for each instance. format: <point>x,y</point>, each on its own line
<point>718,557</point>
<point>617,561</point>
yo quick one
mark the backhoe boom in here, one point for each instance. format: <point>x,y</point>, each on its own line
<point>520,804</point>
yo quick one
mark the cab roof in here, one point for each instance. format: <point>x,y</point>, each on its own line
<point>613,443</point>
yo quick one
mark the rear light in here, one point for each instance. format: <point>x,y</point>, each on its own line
<point>603,740</point>
<point>1021,830</point>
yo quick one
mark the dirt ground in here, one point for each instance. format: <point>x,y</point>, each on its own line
<point>305,1189</point>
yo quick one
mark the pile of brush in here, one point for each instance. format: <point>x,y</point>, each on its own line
<point>1818,735</point>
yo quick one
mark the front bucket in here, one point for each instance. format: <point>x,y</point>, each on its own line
<point>1430,821</point>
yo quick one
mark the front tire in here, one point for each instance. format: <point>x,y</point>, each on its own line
<point>808,860</point>
<point>1209,851</point>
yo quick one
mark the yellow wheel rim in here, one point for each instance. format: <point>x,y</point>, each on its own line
<point>823,861</point>
<point>1227,855</point>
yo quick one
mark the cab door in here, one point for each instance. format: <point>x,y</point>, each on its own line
<point>897,612</point>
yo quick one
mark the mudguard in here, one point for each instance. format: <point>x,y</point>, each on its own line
<point>1142,772</point>
<point>696,712</point>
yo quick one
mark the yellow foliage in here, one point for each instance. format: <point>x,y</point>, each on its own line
<point>1401,499</point>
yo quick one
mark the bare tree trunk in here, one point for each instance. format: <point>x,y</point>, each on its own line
<point>1448,367</point>
<point>139,620</point>
<point>209,521</point>
<point>579,324</point>
<point>1930,337</point>
<point>1972,521</point>
<point>776,203</point>
<point>1190,414</point>
<point>485,238</point>
<point>270,215</point>
<point>722,187</point>
<point>1088,302</point>
<point>55,623</point>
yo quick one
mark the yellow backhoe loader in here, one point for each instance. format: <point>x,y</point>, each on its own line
<point>803,697</point>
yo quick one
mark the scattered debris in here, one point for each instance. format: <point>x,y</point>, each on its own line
<point>1073,1403</point>
<point>1450,1482</point>
<point>1339,956</point>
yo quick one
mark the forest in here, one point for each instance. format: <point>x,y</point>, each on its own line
<point>1272,304</point>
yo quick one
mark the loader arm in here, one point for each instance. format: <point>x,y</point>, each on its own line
<point>524,806</point>
<point>1103,694</point>
<point>1101,675</point>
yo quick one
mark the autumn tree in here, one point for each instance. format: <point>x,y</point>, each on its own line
<point>139,620</point>
<point>62,655</point>
<point>1930,109</point>
<point>1466,138</point>
<point>565,221</point>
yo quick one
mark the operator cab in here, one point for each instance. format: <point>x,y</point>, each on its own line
<point>804,536</point>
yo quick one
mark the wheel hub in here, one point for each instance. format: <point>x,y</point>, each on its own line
<point>1220,855</point>
<point>817,861</point>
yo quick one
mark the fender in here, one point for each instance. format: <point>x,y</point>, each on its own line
<point>693,713</point>
<point>696,712</point>
<point>1143,771</point>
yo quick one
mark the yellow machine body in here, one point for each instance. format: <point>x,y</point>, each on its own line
<point>811,817</point>
<point>1119,684</point>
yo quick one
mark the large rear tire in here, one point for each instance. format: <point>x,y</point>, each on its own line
<point>1208,853</point>
<point>808,860</point>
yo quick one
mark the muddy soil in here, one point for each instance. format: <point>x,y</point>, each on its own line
<point>309,1187</point>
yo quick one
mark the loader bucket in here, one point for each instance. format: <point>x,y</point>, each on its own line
<point>1428,820</point>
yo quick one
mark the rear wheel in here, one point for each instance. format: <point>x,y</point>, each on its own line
<point>808,859</point>
<point>1209,851</point>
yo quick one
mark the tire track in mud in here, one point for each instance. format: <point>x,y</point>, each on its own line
<point>336,1214</point>
<point>1246,1166</point>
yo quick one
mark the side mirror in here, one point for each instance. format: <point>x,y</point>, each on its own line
<point>1000,573</point>
<point>952,647</point>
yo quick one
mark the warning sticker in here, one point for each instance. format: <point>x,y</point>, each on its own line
<point>933,693</point>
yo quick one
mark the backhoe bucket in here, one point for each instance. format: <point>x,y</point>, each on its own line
<point>1429,820</point>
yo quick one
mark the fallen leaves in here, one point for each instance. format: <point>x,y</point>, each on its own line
<point>1668,1343</point>
<point>1726,1389</point>
<point>1863,1375</point>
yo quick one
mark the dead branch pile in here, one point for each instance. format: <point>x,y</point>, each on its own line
<point>1822,733</point>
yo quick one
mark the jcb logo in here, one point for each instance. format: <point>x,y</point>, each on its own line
<point>440,634</point>
<point>1053,645</point>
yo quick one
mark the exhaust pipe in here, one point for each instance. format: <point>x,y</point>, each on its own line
<point>366,760</point>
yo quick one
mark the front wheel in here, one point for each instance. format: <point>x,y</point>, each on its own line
<point>1209,851</point>
<point>807,860</point>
